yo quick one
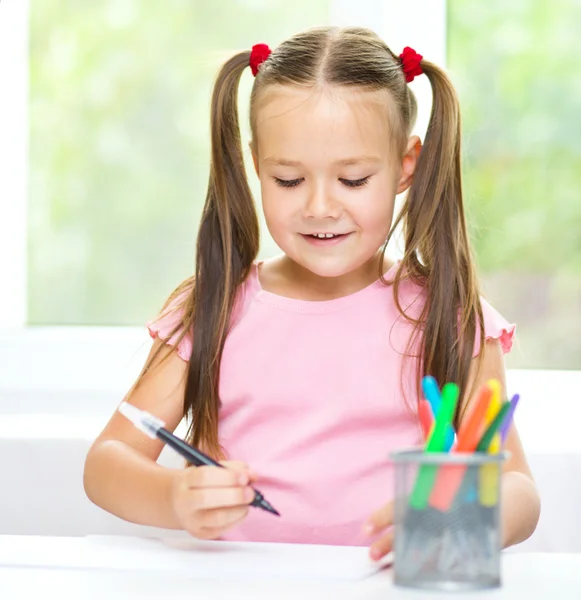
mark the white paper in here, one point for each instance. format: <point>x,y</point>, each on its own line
<point>200,559</point>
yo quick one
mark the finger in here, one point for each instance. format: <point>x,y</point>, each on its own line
<point>213,534</point>
<point>214,477</point>
<point>221,518</point>
<point>380,519</point>
<point>240,466</point>
<point>382,546</point>
<point>209,498</point>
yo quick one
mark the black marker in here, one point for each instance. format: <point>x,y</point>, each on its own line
<point>154,428</point>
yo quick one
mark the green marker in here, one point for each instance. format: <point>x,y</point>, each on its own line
<point>436,443</point>
<point>486,439</point>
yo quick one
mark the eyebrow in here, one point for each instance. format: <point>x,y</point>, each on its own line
<point>281,162</point>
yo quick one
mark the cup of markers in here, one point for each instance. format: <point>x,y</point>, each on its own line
<point>447,529</point>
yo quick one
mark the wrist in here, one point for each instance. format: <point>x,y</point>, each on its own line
<point>520,508</point>
<point>171,481</point>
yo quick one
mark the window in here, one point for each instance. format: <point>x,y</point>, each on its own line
<point>119,153</point>
<point>521,103</point>
<point>104,164</point>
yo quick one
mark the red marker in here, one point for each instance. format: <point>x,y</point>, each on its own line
<point>426,418</point>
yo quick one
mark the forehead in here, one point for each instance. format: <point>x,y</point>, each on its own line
<point>322,125</point>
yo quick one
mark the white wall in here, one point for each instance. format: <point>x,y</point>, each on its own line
<point>41,462</point>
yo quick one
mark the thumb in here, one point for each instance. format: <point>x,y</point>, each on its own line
<point>236,465</point>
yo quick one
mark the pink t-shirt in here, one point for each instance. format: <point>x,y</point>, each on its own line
<point>312,400</point>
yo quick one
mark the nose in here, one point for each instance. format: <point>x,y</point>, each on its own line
<point>322,205</point>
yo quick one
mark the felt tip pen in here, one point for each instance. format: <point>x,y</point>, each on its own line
<point>434,398</point>
<point>154,428</point>
<point>505,427</point>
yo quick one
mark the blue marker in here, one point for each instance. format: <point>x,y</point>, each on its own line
<point>433,396</point>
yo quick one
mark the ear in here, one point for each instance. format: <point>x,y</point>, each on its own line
<point>409,163</point>
<point>254,156</point>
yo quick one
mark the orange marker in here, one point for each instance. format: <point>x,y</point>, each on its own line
<point>472,427</point>
<point>450,477</point>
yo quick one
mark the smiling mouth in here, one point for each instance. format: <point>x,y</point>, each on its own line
<point>325,236</point>
<point>325,239</point>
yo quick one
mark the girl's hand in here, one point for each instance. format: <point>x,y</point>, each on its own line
<point>376,524</point>
<point>208,501</point>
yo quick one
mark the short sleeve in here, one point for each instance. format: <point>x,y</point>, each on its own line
<point>163,326</point>
<point>496,327</point>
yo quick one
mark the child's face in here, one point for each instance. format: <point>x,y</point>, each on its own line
<point>336,154</point>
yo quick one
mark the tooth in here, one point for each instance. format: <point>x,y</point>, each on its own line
<point>329,235</point>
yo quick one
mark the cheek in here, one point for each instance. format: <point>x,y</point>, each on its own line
<point>374,214</point>
<point>278,211</point>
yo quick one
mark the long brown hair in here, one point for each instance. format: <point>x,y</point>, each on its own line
<point>437,253</point>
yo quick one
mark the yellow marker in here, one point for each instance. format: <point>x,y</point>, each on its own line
<point>488,476</point>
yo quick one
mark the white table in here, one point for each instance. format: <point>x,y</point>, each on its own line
<point>527,576</point>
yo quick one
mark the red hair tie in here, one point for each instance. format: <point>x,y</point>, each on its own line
<point>410,62</point>
<point>259,53</point>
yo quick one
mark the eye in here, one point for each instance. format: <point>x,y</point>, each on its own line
<point>287,182</point>
<point>355,182</point>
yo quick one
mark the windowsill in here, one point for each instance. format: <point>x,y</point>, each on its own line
<point>69,370</point>
<point>66,382</point>
<point>542,431</point>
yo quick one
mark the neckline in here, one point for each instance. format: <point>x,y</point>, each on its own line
<point>316,306</point>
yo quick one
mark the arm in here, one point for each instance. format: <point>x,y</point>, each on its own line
<point>520,502</point>
<point>520,499</point>
<point>121,474</point>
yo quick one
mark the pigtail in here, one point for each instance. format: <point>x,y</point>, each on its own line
<point>227,244</point>
<point>437,251</point>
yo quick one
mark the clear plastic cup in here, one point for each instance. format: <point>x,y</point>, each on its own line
<point>447,532</point>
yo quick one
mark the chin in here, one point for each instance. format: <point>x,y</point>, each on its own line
<point>327,266</point>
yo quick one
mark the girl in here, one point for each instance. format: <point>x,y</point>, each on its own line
<point>305,368</point>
